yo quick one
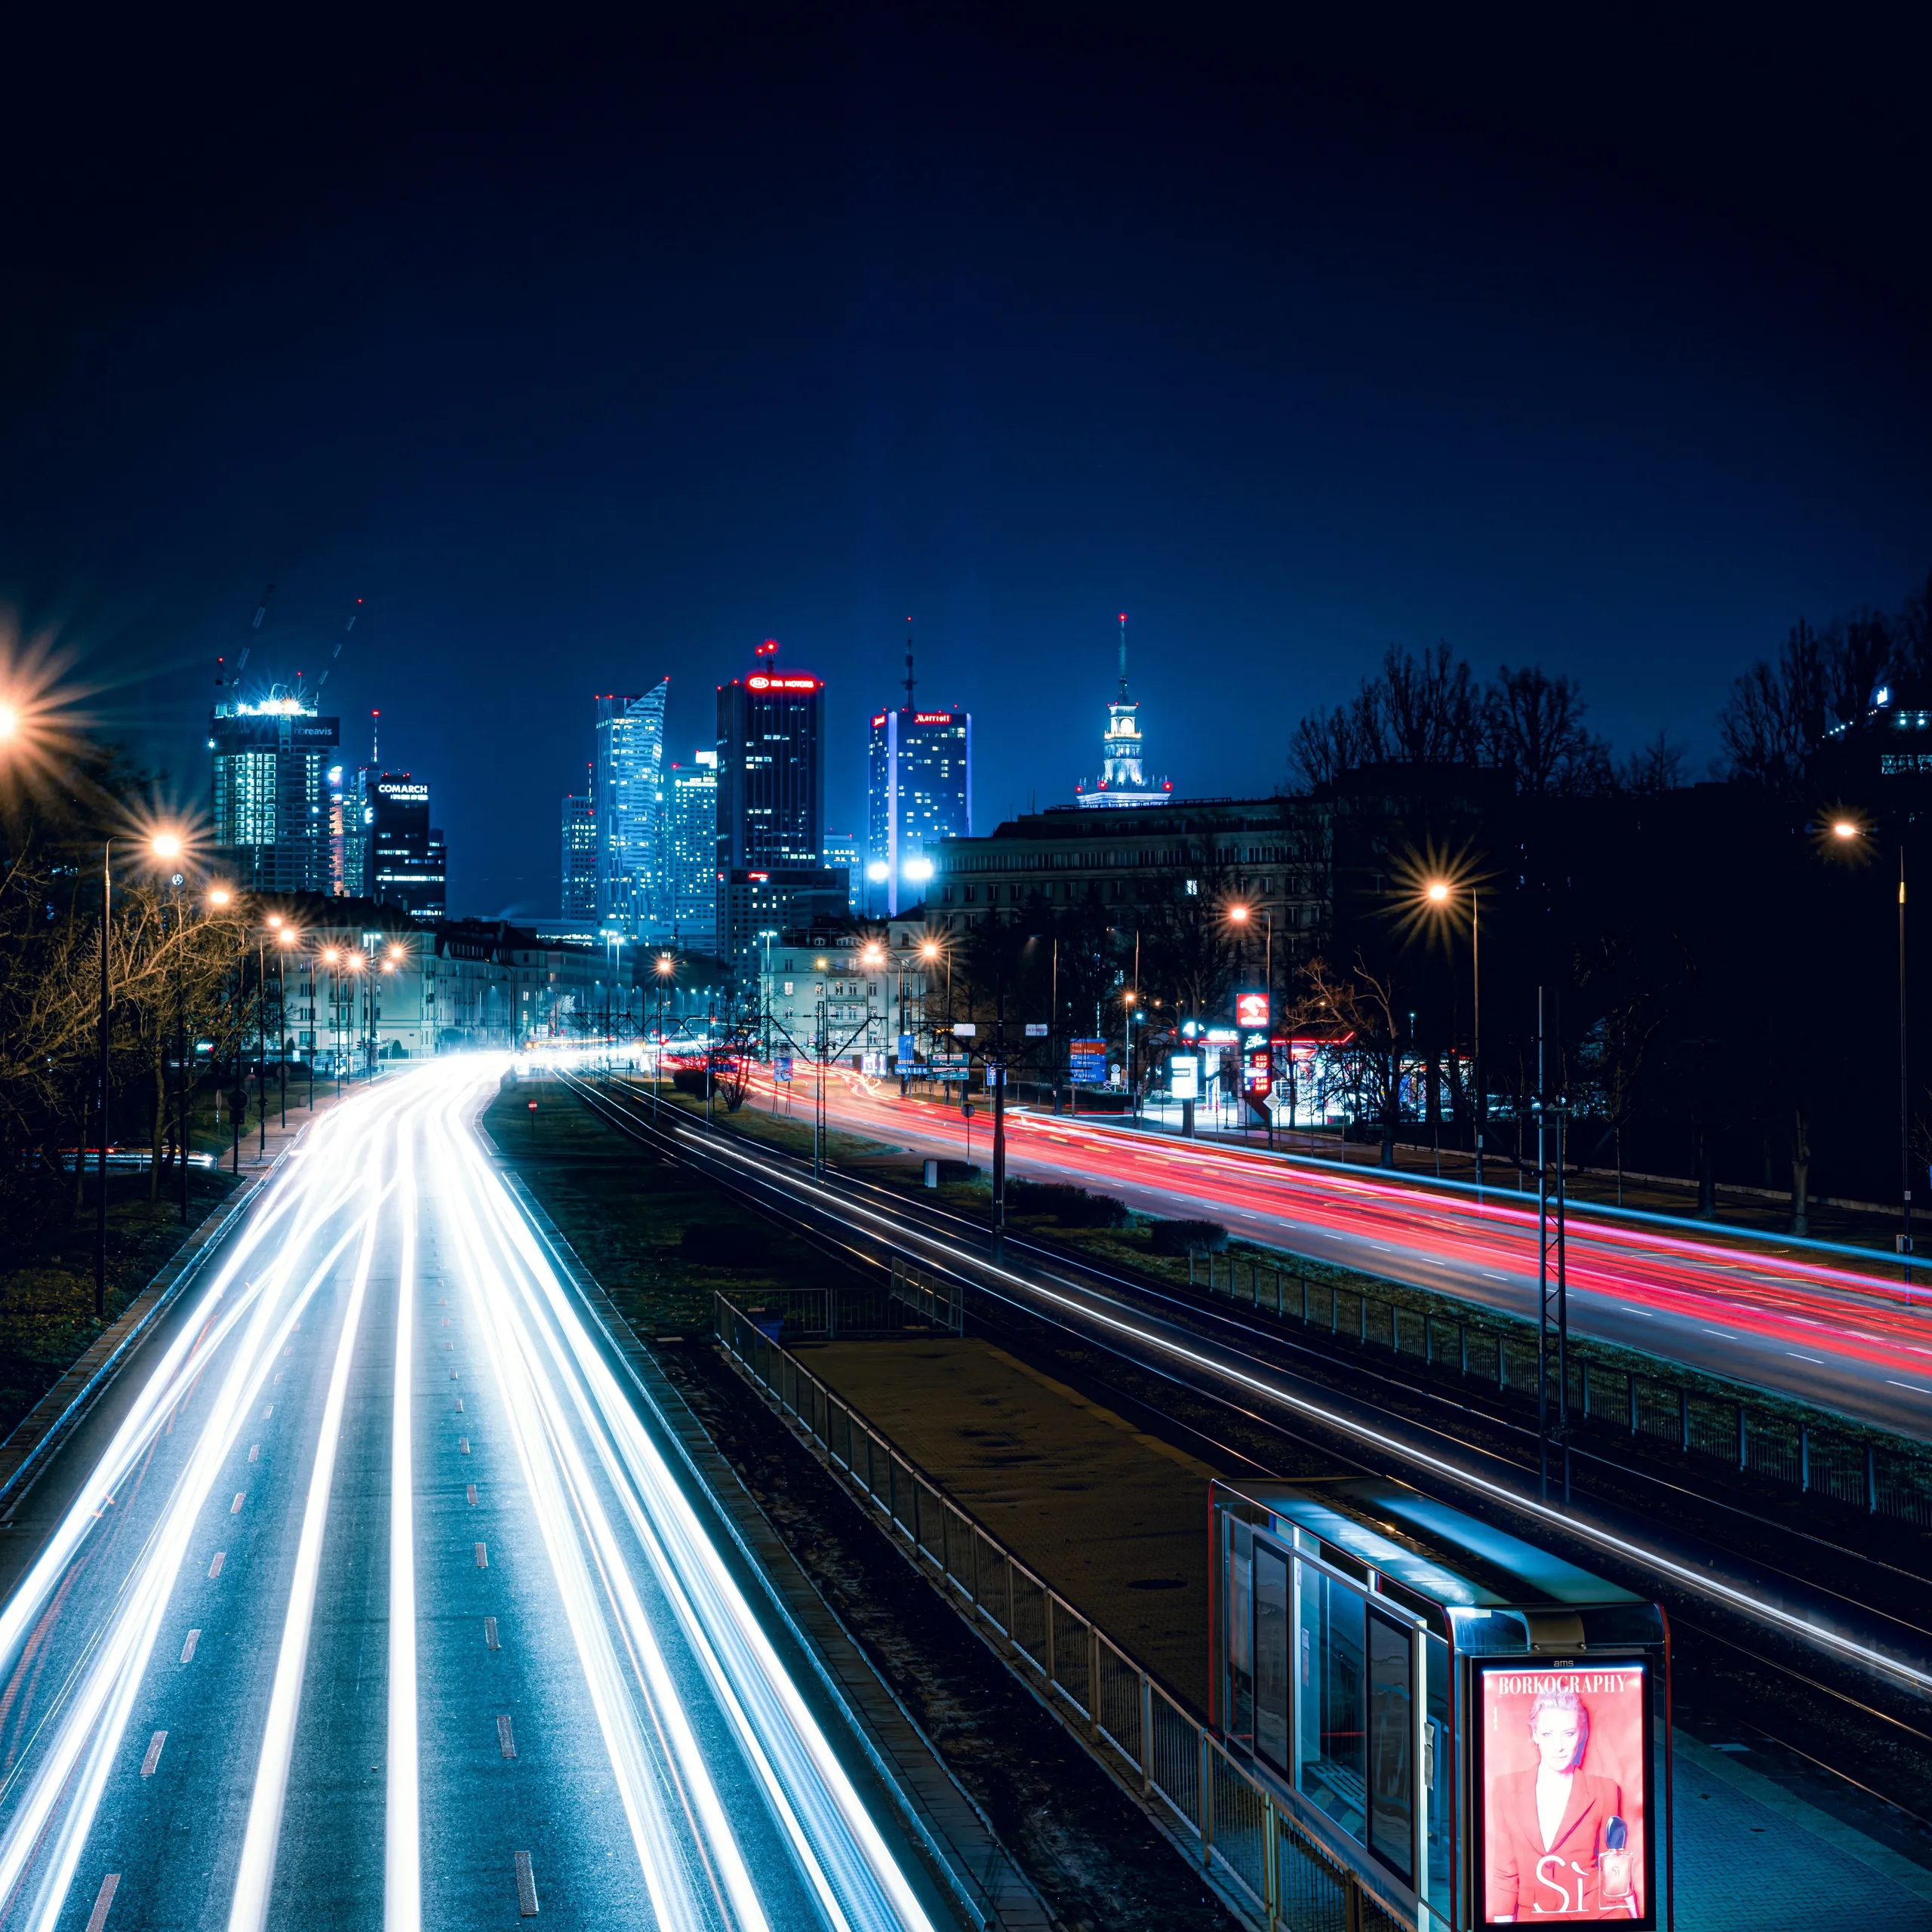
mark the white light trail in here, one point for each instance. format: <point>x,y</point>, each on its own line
<point>256,1876</point>
<point>402,1865</point>
<point>1763,1610</point>
<point>840,1853</point>
<point>69,1766</point>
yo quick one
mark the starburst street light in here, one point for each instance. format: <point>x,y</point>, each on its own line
<point>219,896</point>
<point>1437,897</point>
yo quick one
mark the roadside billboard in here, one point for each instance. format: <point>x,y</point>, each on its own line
<point>1563,1802</point>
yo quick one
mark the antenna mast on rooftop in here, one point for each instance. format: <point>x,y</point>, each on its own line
<point>1123,657</point>
<point>909,664</point>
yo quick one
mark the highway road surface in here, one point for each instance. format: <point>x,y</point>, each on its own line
<point>381,1605</point>
<point>1795,1321</point>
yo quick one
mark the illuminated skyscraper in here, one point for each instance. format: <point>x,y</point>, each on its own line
<point>407,863</point>
<point>579,897</point>
<point>271,803</point>
<point>841,855</point>
<point>628,803</point>
<point>692,913</point>
<point>771,804</point>
<point>919,791</point>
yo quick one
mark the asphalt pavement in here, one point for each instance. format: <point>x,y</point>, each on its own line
<point>372,1598</point>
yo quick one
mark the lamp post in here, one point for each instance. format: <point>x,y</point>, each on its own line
<point>929,953</point>
<point>1847,831</point>
<point>262,1027</point>
<point>354,964</point>
<point>666,966</point>
<point>166,846</point>
<point>220,896</point>
<point>100,1203</point>
<point>1438,894</point>
<point>330,957</point>
<point>284,939</point>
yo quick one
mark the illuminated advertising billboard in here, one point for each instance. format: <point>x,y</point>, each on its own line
<point>1563,1802</point>
<point>1184,1077</point>
<point>1251,1010</point>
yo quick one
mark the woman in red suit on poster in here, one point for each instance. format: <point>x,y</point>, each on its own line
<point>1556,1835</point>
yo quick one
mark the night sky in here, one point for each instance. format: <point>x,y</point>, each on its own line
<point>585,362</point>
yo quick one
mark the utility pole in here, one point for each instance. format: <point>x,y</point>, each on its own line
<point>1553,1281</point>
<point>996,1074</point>
<point>100,1203</point>
<point>185,1091</point>
<point>1475,975</point>
<point>1904,1085</point>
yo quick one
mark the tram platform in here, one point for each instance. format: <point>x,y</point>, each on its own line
<point>1117,1521</point>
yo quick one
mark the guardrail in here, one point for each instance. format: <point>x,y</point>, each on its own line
<point>1747,1436</point>
<point>1229,1821</point>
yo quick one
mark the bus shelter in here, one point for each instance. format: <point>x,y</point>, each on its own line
<point>1476,1728</point>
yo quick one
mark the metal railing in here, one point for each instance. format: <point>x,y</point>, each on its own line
<point>909,1300</point>
<point>1605,1400</point>
<point>1267,1865</point>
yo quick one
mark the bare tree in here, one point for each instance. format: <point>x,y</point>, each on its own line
<point>1534,726</point>
<point>1653,769</point>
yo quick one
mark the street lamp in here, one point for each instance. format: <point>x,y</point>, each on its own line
<point>285,937</point>
<point>1438,895</point>
<point>1849,831</point>
<point>167,846</point>
<point>353,962</point>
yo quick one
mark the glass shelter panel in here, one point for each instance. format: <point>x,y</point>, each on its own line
<point>1437,1766</point>
<point>1240,1719</point>
<point>1330,1638</point>
<point>1271,1656</point>
<point>1391,1720</point>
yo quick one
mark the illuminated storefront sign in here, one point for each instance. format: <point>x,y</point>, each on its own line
<point>1251,1010</point>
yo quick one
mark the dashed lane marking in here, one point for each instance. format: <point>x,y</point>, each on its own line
<point>150,1763</point>
<point>102,1899</point>
<point>187,1648</point>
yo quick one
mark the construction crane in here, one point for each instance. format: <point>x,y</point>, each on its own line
<point>222,676</point>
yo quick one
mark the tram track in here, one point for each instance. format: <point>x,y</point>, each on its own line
<point>1118,1338</point>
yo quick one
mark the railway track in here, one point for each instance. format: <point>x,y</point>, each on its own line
<point>1823,1642</point>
